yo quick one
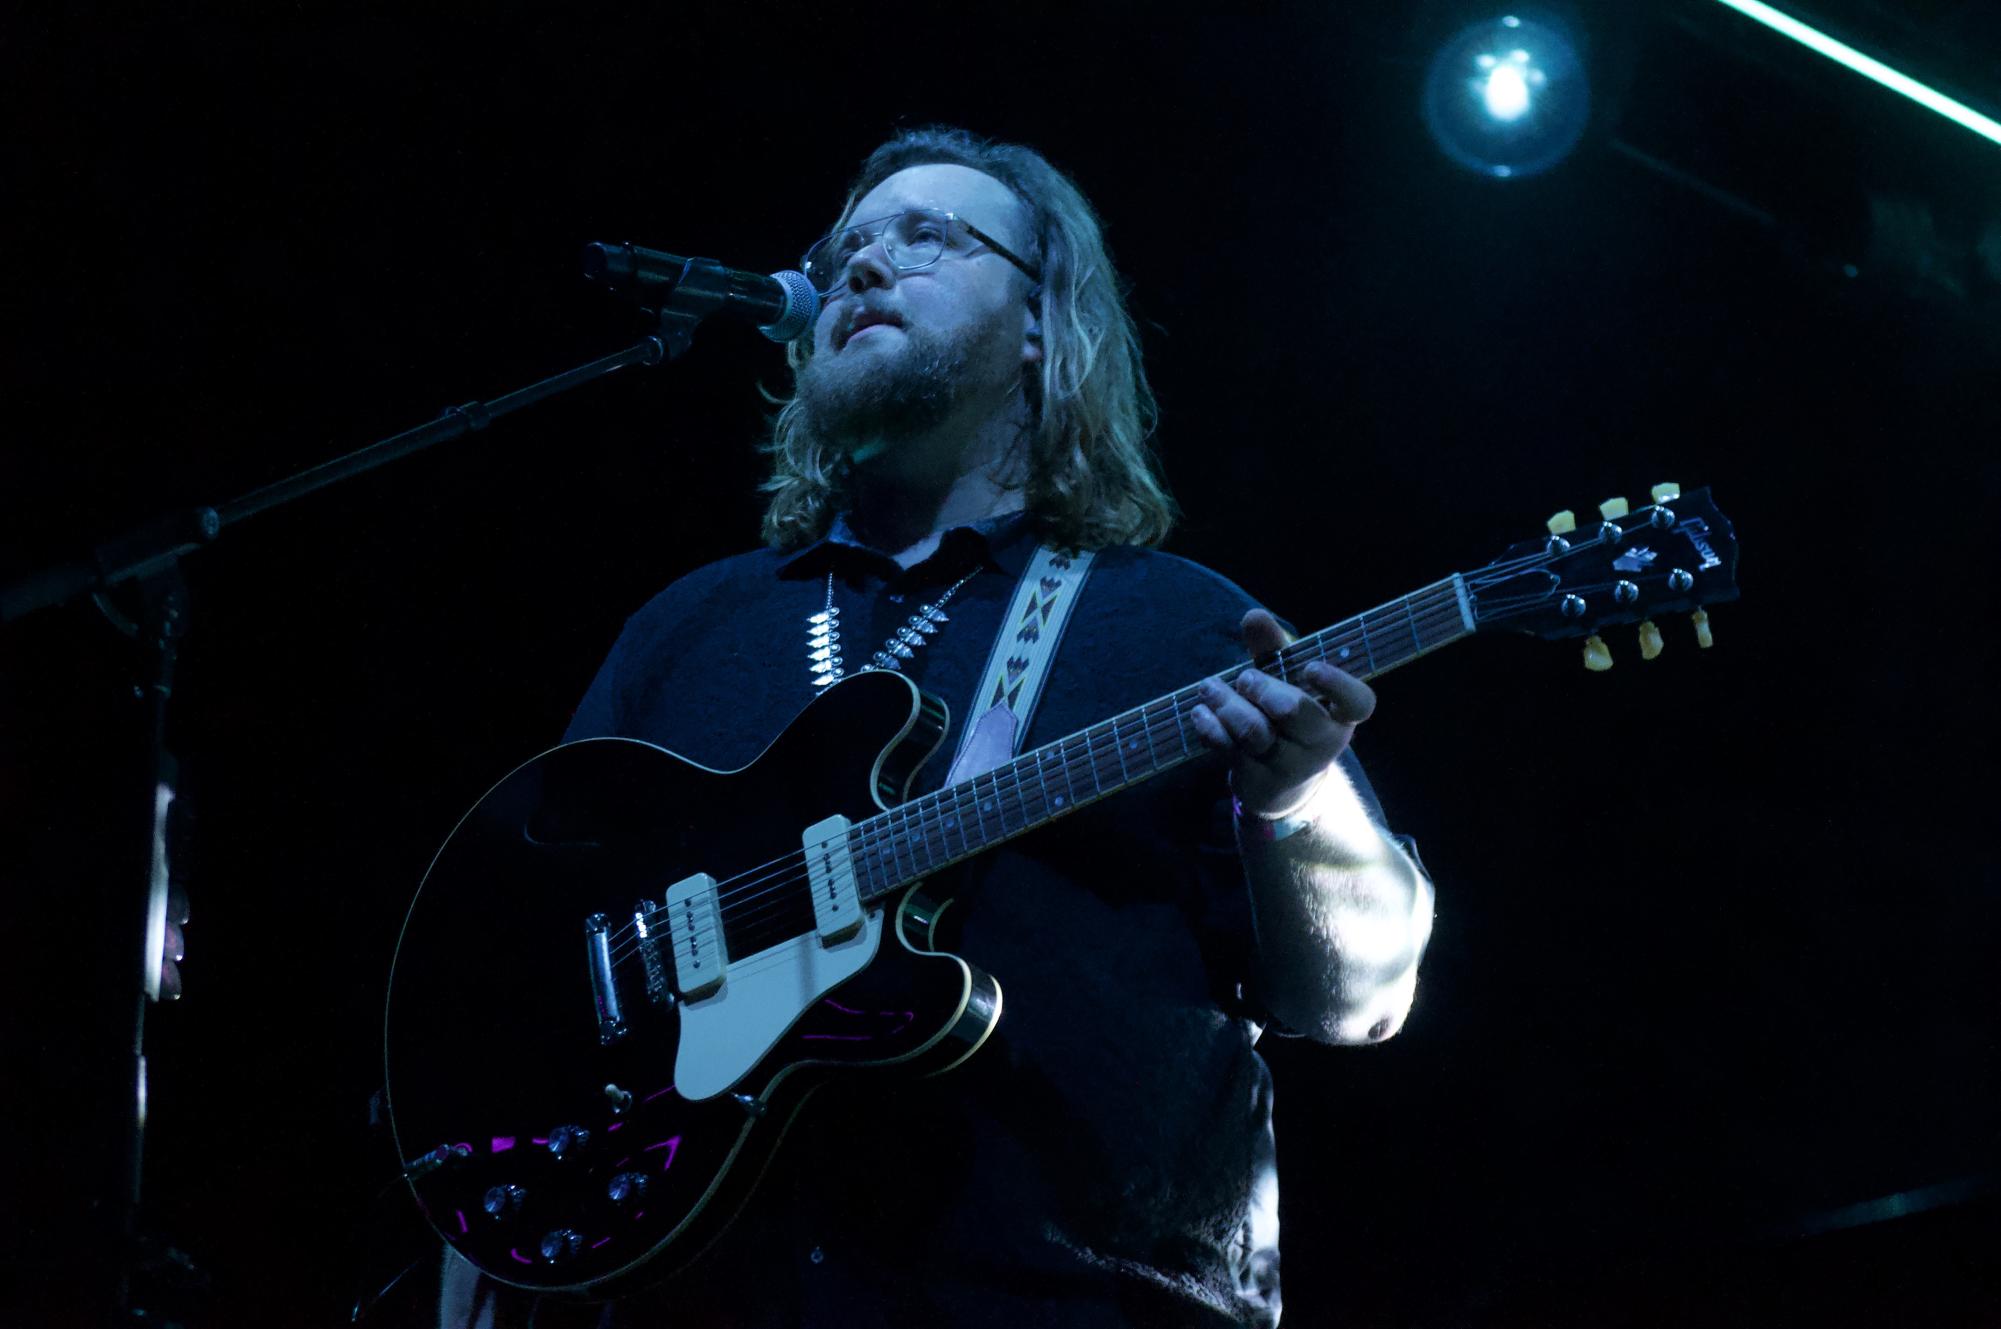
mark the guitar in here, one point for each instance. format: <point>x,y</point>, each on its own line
<point>598,1087</point>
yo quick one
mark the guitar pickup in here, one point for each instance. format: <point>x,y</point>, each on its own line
<point>830,870</point>
<point>695,923</point>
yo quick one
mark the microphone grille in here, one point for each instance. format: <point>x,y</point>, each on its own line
<point>802,308</point>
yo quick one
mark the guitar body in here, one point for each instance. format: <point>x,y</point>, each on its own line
<point>580,1166</point>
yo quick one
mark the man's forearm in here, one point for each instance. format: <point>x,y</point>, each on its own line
<point>1342,916</point>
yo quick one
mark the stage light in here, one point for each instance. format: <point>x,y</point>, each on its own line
<point>1815,40</point>
<point>1508,97</point>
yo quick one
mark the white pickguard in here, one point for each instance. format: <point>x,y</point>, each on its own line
<point>727,1032</point>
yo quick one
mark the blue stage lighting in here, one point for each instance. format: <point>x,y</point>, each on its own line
<point>1508,97</point>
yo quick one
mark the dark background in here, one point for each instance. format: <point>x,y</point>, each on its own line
<point>1715,932</point>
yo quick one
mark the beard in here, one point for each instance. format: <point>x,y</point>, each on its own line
<point>855,401</point>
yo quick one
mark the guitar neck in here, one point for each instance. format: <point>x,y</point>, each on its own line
<point>917,838</point>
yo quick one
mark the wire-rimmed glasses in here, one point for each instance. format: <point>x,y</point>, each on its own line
<point>912,239</point>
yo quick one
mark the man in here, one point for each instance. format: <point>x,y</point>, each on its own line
<point>972,389</point>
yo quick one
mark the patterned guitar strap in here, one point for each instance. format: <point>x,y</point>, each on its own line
<point>1025,647</point>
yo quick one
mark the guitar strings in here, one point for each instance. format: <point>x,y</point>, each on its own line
<point>782,872</point>
<point>746,913</point>
<point>883,831</point>
<point>1113,726</point>
<point>743,913</point>
<point>1170,719</point>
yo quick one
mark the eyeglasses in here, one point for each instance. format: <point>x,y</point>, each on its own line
<point>910,240</point>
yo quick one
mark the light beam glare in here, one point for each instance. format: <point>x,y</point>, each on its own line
<point>1507,93</point>
<point>1815,40</point>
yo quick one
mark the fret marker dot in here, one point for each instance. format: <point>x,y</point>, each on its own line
<point>1058,802</point>
<point>1345,652</point>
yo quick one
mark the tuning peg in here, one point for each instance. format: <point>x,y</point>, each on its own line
<point>1665,490</point>
<point>1650,640</point>
<point>1612,509</point>
<point>1563,523</point>
<point>1702,635</point>
<point>1597,655</point>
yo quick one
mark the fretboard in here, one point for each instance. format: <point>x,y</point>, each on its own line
<point>915,839</point>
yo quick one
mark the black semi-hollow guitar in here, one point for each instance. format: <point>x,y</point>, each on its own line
<point>590,1090</point>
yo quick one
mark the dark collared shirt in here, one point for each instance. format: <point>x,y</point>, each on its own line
<point>1106,1159</point>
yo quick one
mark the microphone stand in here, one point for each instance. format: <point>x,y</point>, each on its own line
<point>149,556</point>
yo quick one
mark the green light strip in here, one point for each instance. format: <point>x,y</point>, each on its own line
<point>1816,40</point>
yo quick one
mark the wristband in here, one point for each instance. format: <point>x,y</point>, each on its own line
<point>1270,830</point>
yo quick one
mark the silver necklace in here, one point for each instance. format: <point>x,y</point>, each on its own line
<point>823,636</point>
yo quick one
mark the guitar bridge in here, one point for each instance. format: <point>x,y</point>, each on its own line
<point>647,923</point>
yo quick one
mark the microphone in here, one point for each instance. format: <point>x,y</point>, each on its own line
<point>784,304</point>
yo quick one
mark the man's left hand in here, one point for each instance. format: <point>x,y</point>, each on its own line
<point>1281,738</point>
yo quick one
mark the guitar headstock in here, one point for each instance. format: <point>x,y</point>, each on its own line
<point>1628,565</point>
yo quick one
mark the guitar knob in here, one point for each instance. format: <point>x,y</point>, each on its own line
<point>1665,490</point>
<point>504,1202</point>
<point>1702,636</point>
<point>1597,655</point>
<point>568,1141</point>
<point>1650,640</point>
<point>562,1245</point>
<point>626,1189</point>
<point>1612,509</point>
<point>1563,523</point>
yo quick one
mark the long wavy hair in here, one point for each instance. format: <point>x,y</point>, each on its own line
<point>1091,479</point>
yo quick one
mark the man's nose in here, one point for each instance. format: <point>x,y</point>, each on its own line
<point>870,268</point>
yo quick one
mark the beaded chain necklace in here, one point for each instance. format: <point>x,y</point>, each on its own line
<point>823,636</point>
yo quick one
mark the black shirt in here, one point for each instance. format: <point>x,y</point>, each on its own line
<point>1106,1159</point>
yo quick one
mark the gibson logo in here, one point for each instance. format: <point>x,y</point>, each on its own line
<point>1695,528</point>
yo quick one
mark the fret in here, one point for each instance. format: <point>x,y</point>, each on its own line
<point>1061,754</point>
<point>1368,652</point>
<point>900,847</point>
<point>1051,801</point>
<point>1344,652</point>
<point>993,816</point>
<point>1416,642</point>
<point>1091,766</point>
<point>927,859</point>
<point>1119,751</point>
<point>961,795</point>
<point>1145,738</point>
<point>1018,794</point>
<point>1109,774</point>
<point>900,819</point>
<point>885,871</point>
<point>1011,799</point>
<point>858,853</point>
<point>937,815</point>
<point>973,815</point>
